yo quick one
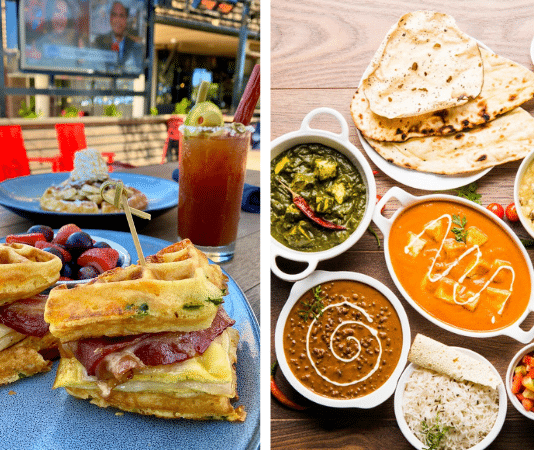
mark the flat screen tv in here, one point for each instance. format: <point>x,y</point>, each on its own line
<point>101,37</point>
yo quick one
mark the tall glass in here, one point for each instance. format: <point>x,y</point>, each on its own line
<point>212,165</point>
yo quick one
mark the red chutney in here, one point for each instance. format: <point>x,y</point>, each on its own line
<point>475,278</point>
<point>351,348</point>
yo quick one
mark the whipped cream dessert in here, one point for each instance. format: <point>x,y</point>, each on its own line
<point>80,193</point>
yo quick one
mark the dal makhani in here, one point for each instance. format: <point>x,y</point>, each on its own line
<point>343,339</point>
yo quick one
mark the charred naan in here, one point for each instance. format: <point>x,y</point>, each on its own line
<point>507,85</point>
<point>425,63</point>
<point>507,138</point>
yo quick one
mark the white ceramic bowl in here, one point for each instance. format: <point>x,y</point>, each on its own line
<point>384,224</point>
<point>508,381</point>
<point>383,392</point>
<point>341,143</point>
<point>527,223</point>
<point>407,432</point>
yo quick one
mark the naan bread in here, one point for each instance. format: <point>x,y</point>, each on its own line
<point>507,138</point>
<point>507,85</point>
<point>425,63</point>
<point>434,355</point>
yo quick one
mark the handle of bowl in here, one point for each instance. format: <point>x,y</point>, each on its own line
<point>312,264</point>
<point>515,332</point>
<point>402,196</point>
<point>344,135</point>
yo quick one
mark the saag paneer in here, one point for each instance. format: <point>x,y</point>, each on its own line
<point>332,187</point>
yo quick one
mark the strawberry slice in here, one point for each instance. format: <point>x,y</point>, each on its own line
<point>102,259</point>
<point>67,257</point>
<point>28,239</point>
<point>64,232</point>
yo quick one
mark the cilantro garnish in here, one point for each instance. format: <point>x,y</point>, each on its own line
<point>460,233</point>
<point>215,301</point>
<point>434,434</point>
<point>313,307</point>
<point>470,193</point>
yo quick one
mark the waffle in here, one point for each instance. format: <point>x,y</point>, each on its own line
<point>203,389</point>
<point>86,199</point>
<point>25,271</point>
<point>161,296</point>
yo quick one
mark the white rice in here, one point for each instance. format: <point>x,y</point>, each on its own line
<point>468,407</point>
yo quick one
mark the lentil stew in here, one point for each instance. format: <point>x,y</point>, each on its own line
<point>343,339</point>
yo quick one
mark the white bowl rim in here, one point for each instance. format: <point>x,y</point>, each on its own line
<point>527,161</point>
<point>410,436</point>
<point>508,381</point>
<point>383,392</point>
<point>305,134</point>
<point>513,330</point>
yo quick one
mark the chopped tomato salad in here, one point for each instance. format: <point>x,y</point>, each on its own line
<point>523,382</point>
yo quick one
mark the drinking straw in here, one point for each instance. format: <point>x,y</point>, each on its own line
<point>245,109</point>
<point>121,201</point>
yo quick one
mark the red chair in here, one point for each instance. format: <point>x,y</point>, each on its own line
<point>173,134</point>
<point>14,161</point>
<point>71,138</point>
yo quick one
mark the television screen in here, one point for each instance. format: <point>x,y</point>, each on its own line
<point>106,37</point>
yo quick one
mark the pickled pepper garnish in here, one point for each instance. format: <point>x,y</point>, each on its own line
<point>306,209</point>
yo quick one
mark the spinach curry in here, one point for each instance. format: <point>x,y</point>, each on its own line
<point>331,186</point>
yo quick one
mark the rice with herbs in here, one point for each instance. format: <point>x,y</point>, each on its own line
<point>469,409</point>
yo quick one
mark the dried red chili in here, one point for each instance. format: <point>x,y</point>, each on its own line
<point>306,209</point>
<point>279,395</point>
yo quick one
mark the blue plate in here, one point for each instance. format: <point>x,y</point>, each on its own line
<point>33,416</point>
<point>21,196</point>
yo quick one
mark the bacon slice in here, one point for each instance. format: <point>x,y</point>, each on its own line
<point>26,316</point>
<point>117,357</point>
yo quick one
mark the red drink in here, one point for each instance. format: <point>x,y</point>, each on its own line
<point>212,173</point>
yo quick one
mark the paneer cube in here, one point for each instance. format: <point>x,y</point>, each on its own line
<point>478,268</point>
<point>339,191</point>
<point>324,203</point>
<point>281,165</point>
<point>445,290</point>
<point>299,236</point>
<point>292,214</point>
<point>453,249</point>
<point>302,181</point>
<point>436,230</point>
<point>468,300</point>
<point>475,237</point>
<point>429,286</point>
<point>503,274</point>
<point>415,244</point>
<point>496,298</point>
<point>325,169</point>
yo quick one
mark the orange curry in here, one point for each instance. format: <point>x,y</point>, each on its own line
<point>459,266</point>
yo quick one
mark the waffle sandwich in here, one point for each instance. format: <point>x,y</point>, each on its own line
<point>151,339</point>
<point>26,345</point>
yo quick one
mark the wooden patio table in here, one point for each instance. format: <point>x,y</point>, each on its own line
<point>319,51</point>
<point>243,268</point>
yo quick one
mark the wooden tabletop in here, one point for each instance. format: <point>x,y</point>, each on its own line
<point>243,268</point>
<point>319,50</point>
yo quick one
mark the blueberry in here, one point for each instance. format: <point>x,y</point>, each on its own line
<point>56,252</point>
<point>101,245</point>
<point>87,272</point>
<point>69,270</point>
<point>79,241</point>
<point>47,232</point>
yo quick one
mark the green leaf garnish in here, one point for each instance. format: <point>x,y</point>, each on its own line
<point>470,193</point>
<point>314,307</point>
<point>191,306</point>
<point>460,233</point>
<point>434,434</point>
<point>215,301</point>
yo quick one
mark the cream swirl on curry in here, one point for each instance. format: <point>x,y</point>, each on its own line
<point>343,339</point>
<point>459,265</point>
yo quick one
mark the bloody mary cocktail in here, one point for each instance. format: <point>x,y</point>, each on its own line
<point>212,165</point>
